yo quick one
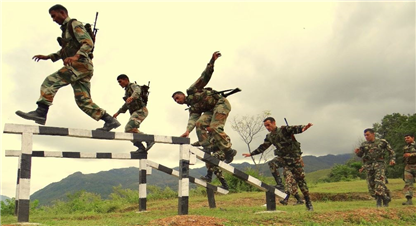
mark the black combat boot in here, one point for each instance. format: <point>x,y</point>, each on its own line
<point>38,115</point>
<point>379,200</point>
<point>386,200</point>
<point>308,203</point>
<point>140,146</point>
<point>224,184</point>
<point>409,201</point>
<point>196,144</point>
<point>279,182</point>
<point>299,200</point>
<point>208,177</point>
<point>285,200</point>
<point>229,155</point>
<point>110,123</point>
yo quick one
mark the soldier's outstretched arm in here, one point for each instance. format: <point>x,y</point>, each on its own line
<point>206,75</point>
<point>40,57</point>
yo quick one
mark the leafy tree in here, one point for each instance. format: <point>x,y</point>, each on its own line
<point>345,172</point>
<point>393,127</point>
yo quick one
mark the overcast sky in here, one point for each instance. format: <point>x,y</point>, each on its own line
<point>339,65</point>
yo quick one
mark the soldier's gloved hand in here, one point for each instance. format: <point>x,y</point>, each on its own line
<point>406,155</point>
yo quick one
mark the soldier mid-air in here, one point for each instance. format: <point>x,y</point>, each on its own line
<point>208,112</point>
<point>77,45</point>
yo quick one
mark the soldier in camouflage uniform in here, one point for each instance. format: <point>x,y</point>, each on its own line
<point>137,108</point>
<point>372,151</point>
<point>208,112</point>
<point>288,150</point>
<point>77,71</point>
<point>410,167</point>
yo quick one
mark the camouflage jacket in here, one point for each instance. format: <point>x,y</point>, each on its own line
<point>200,99</point>
<point>287,147</point>
<point>410,148</point>
<point>375,151</point>
<point>132,90</point>
<point>82,45</point>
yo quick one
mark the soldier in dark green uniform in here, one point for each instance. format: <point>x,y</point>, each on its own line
<point>372,151</point>
<point>136,104</point>
<point>410,167</point>
<point>77,72</point>
<point>208,112</point>
<point>288,150</point>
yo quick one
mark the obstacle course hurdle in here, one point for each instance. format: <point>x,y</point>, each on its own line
<point>185,154</point>
<point>270,190</point>
<point>125,156</point>
<point>25,160</point>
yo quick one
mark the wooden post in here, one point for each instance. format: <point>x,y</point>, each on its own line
<point>142,185</point>
<point>270,200</point>
<point>183,189</point>
<point>211,198</point>
<point>24,178</point>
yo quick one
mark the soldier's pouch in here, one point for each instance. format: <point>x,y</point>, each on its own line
<point>411,160</point>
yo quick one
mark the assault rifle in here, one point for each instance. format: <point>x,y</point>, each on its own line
<point>230,92</point>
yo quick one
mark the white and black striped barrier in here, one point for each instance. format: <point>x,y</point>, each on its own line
<point>25,160</point>
<point>121,156</point>
<point>271,191</point>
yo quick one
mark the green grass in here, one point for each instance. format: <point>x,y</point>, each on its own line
<point>247,209</point>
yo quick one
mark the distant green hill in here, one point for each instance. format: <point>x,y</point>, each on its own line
<point>3,198</point>
<point>103,182</point>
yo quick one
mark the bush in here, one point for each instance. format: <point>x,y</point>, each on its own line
<point>8,207</point>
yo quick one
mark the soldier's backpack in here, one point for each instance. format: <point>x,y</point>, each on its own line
<point>144,95</point>
<point>88,29</point>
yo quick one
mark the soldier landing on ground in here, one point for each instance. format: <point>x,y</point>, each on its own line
<point>410,167</point>
<point>77,71</point>
<point>288,150</point>
<point>372,151</point>
<point>208,112</point>
<point>136,103</point>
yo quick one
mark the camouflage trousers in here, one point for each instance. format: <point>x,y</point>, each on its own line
<point>296,175</point>
<point>291,187</point>
<point>79,76</point>
<point>409,179</point>
<point>136,118</point>
<point>217,170</point>
<point>215,120</point>
<point>275,164</point>
<point>376,179</point>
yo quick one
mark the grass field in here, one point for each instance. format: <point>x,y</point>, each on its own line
<point>342,203</point>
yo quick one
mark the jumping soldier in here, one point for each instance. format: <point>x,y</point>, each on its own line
<point>208,112</point>
<point>136,103</point>
<point>372,151</point>
<point>410,167</point>
<point>77,71</point>
<point>288,150</point>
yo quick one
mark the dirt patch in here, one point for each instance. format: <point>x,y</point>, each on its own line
<point>186,220</point>
<point>364,214</point>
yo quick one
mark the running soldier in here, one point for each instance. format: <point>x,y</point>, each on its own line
<point>410,167</point>
<point>136,103</point>
<point>78,69</point>
<point>372,151</point>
